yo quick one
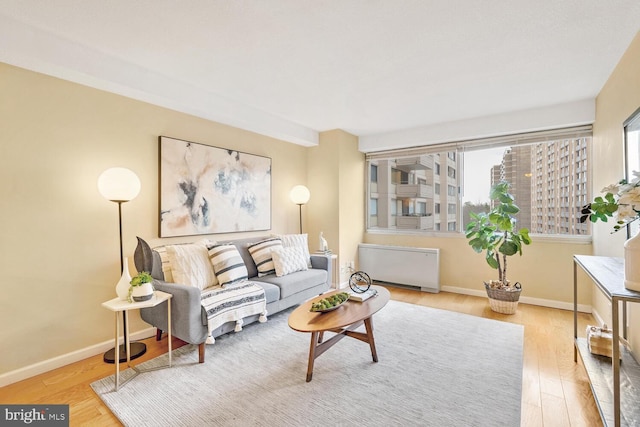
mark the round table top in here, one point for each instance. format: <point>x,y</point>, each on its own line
<point>350,312</point>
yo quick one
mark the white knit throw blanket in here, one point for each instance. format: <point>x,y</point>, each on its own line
<point>233,303</point>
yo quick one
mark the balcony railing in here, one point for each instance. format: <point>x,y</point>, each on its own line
<point>414,190</point>
<point>415,222</point>
<point>415,163</point>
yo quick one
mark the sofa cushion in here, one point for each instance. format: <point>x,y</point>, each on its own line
<point>271,291</point>
<point>227,264</point>
<point>261,254</point>
<point>297,282</point>
<point>288,260</point>
<point>190,265</point>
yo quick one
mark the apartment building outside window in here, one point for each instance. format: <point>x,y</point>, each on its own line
<point>548,172</point>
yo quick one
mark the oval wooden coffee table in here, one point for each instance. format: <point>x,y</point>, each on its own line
<point>343,321</point>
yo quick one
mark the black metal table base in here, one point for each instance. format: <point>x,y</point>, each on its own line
<point>137,350</point>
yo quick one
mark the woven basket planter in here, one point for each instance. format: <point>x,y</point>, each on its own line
<point>502,300</point>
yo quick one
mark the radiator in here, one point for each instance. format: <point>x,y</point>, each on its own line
<point>418,267</point>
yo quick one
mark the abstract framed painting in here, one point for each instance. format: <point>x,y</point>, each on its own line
<point>209,190</point>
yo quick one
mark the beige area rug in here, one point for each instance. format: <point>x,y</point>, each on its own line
<point>436,368</point>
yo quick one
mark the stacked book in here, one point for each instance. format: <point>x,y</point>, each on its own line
<point>362,296</point>
<point>600,340</point>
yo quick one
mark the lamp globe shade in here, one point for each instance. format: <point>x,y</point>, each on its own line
<point>118,184</point>
<point>299,195</point>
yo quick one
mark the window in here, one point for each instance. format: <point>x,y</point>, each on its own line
<point>374,173</point>
<point>373,212</point>
<point>549,173</point>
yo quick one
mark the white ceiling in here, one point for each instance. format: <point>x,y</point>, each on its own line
<point>293,68</point>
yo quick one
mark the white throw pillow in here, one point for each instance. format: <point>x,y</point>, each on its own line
<point>190,265</point>
<point>297,241</point>
<point>227,264</point>
<point>289,260</point>
<point>261,254</point>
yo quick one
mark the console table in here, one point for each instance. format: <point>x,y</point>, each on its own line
<point>615,382</point>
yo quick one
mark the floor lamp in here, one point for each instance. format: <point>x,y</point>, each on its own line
<point>120,185</point>
<point>300,196</point>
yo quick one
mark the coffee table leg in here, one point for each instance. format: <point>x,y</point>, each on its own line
<point>368,324</point>
<point>312,354</point>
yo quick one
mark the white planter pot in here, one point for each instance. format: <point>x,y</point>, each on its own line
<point>632,263</point>
<point>143,292</point>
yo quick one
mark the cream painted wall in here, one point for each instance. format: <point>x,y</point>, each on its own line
<point>545,268</point>
<point>336,173</point>
<point>60,237</point>
<point>617,100</point>
<point>351,199</point>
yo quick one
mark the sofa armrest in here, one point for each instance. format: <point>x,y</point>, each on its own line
<point>323,262</point>
<point>186,312</point>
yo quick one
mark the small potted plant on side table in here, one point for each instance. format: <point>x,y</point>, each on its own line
<point>141,288</point>
<point>495,234</point>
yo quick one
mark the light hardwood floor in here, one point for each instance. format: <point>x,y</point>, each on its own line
<point>555,390</point>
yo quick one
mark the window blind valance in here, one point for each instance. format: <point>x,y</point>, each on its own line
<point>574,132</point>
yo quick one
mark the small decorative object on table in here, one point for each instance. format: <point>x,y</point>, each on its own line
<point>600,340</point>
<point>330,303</point>
<point>141,288</point>
<point>359,282</point>
<point>621,200</point>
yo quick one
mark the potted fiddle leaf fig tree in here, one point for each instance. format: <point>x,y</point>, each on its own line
<point>495,234</point>
<point>141,288</point>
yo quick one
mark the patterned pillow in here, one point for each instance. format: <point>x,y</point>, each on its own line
<point>289,260</point>
<point>261,254</point>
<point>190,265</point>
<point>297,241</point>
<point>227,264</point>
<point>166,263</point>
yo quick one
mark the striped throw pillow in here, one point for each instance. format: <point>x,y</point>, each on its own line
<point>227,264</point>
<point>261,254</point>
<point>166,263</point>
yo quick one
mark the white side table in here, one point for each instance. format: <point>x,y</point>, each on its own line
<point>335,272</point>
<point>117,305</point>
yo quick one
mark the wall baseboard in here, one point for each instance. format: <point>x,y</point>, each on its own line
<point>583,308</point>
<point>66,359</point>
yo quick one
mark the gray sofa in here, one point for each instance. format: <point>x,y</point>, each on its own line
<point>188,318</point>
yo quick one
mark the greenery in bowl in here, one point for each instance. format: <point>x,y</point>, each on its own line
<point>141,278</point>
<point>495,233</point>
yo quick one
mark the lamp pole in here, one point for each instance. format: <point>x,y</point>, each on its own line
<point>120,185</point>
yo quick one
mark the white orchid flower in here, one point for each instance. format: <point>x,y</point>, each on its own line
<point>626,213</point>
<point>630,197</point>
<point>613,189</point>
